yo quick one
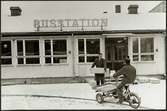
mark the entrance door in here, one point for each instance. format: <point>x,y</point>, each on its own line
<point>116,50</point>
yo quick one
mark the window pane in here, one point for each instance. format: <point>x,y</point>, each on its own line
<point>47,47</point>
<point>6,48</point>
<point>6,61</point>
<point>60,60</point>
<point>20,48</point>
<point>32,60</point>
<point>147,45</point>
<point>147,57</point>
<point>93,46</point>
<point>81,46</point>
<point>117,9</point>
<point>120,52</point>
<point>135,57</point>
<point>47,59</point>
<point>32,47</point>
<point>81,59</point>
<point>135,45</point>
<point>59,47</point>
<point>92,58</point>
<point>20,61</point>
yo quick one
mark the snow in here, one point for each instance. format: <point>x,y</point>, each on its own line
<point>75,96</point>
<point>152,95</point>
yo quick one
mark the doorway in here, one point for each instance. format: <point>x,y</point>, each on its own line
<point>116,49</point>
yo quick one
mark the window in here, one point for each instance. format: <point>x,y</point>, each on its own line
<point>55,51</point>
<point>147,49</point>
<point>133,9</point>
<point>28,52</point>
<point>117,9</point>
<point>6,53</point>
<point>15,11</point>
<point>143,49</point>
<point>88,50</point>
<point>135,49</point>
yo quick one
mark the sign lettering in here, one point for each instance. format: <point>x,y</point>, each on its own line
<point>64,23</point>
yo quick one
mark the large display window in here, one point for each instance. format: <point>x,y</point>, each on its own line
<point>143,49</point>
<point>88,50</point>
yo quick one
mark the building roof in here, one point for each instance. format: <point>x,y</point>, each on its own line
<point>116,22</point>
<point>161,7</point>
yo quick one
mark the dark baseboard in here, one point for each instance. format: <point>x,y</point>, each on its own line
<point>47,80</point>
<point>53,80</point>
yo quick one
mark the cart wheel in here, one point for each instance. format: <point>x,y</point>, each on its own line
<point>99,98</point>
<point>134,101</point>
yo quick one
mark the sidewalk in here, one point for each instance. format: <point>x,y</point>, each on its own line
<point>75,96</point>
<point>53,96</point>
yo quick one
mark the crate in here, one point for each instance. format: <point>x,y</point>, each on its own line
<point>97,70</point>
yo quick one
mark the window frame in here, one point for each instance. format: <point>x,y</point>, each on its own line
<point>139,50</point>
<point>117,8</point>
<point>85,55</point>
<point>24,53</point>
<point>8,57</point>
<point>52,55</point>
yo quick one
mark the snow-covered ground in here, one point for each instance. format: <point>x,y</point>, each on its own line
<point>75,96</point>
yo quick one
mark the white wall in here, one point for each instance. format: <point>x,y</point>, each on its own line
<point>36,71</point>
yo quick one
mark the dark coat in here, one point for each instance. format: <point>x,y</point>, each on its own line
<point>129,73</point>
<point>99,63</point>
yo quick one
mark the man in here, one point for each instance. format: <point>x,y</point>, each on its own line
<point>129,76</point>
<point>99,63</point>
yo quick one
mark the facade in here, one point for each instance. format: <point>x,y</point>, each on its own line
<point>47,47</point>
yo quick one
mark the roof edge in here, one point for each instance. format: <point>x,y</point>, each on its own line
<point>5,34</point>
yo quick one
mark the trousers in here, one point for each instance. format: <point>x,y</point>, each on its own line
<point>119,89</point>
<point>99,78</point>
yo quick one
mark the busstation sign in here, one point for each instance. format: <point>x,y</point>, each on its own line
<point>67,23</point>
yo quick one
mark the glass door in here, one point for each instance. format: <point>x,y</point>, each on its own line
<point>116,50</point>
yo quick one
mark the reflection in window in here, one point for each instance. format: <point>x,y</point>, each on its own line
<point>92,50</point>
<point>59,47</point>
<point>32,60</point>
<point>60,60</point>
<point>28,54</point>
<point>6,53</point>
<point>135,45</point>
<point>147,57</point>
<point>6,48</point>
<point>147,45</point>
<point>120,52</point>
<point>48,60</point>
<point>92,46</point>
<point>31,47</point>
<point>47,47</point>
<point>55,51</point>
<point>81,46</point>
<point>146,52</point>
<point>6,61</point>
<point>20,48</point>
<point>20,61</point>
<point>91,58</point>
<point>81,59</point>
<point>135,57</point>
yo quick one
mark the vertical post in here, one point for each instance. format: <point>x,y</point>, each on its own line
<point>14,52</point>
<point>73,56</point>
<point>42,50</point>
